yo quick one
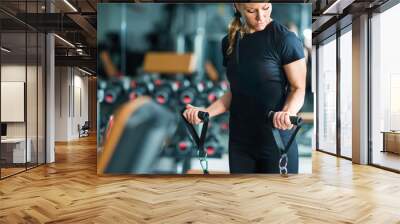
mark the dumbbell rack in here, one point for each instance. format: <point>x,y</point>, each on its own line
<point>172,93</point>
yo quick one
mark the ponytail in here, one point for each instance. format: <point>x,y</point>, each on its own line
<point>234,26</point>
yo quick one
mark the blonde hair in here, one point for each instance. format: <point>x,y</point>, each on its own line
<point>234,26</point>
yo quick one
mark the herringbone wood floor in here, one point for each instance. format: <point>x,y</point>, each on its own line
<point>69,191</point>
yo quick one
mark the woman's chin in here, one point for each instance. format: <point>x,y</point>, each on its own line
<point>260,28</point>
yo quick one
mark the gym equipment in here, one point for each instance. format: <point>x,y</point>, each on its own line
<point>183,147</point>
<point>187,95</point>
<point>139,131</point>
<point>111,94</point>
<point>214,93</point>
<point>101,86</point>
<point>213,147</point>
<point>199,141</point>
<point>114,90</point>
<point>140,88</point>
<point>160,62</point>
<point>169,92</point>
<point>165,92</point>
<point>283,150</point>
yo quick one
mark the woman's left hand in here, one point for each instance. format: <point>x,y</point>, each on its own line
<point>281,120</point>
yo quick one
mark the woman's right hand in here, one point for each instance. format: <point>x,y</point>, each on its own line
<point>191,114</point>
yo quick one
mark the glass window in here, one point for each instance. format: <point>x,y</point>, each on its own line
<point>327,96</point>
<point>15,151</point>
<point>346,94</point>
<point>385,88</point>
<point>22,91</point>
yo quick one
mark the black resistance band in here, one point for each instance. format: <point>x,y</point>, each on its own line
<point>283,150</point>
<point>199,141</point>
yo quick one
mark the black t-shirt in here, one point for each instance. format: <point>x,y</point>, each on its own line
<point>257,80</point>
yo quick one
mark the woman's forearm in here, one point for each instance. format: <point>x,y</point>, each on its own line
<point>294,101</point>
<point>221,105</point>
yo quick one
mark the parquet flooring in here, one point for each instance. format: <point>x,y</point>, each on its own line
<point>69,191</point>
<point>10,171</point>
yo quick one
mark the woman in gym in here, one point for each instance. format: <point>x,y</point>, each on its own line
<point>267,72</point>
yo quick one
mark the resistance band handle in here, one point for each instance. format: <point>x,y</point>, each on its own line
<point>295,120</point>
<point>203,115</point>
<point>199,140</point>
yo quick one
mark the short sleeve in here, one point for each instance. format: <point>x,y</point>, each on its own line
<point>291,49</point>
<point>224,46</point>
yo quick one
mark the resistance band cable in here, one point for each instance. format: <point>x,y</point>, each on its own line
<point>199,141</point>
<point>283,150</point>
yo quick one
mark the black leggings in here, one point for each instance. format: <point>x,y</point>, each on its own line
<point>256,158</point>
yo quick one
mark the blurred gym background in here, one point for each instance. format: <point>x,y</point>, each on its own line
<point>172,53</point>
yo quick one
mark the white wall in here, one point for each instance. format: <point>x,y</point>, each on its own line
<point>61,103</point>
<point>71,94</point>
<point>33,126</point>
<point>14,73</point>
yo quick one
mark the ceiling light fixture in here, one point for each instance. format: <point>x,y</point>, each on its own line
<point>84,71</point>
<point>65,41</point>
<point>328,10</point>
<point>70,5</point>
<point>5,50</point>
<point>337,7</point>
